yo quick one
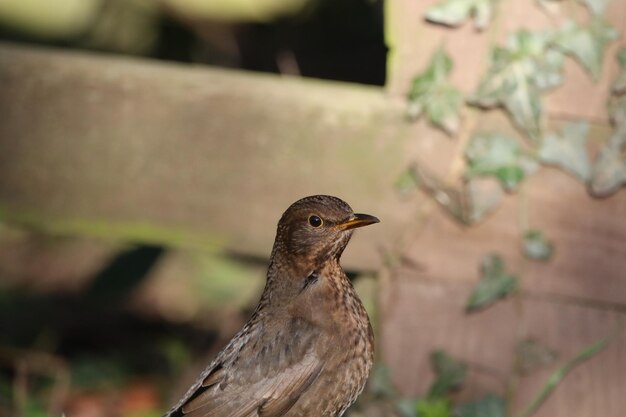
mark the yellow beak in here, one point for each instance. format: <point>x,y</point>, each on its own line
<point>357,220</point>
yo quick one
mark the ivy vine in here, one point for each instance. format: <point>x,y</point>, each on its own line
<point>518,76</point>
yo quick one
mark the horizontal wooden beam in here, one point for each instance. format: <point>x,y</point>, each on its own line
<point>132,149</point>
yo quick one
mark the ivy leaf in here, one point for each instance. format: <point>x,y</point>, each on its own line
<point>443,111</point>
<point>407,407</point>
<point>609,169</point>
<point>535,245</point>
<point>434,407</point>
<point>469,204</point>
<point>407,181</point>
<point>586,43</point>
<point>517,75</point>
<point>456,12</point>
<point>488,406</point>
<point>450,374</point>
<point>432,93</point>
<point>495,283</point>
<point>568,150</point>
<point>380,382</point>
<point>596,7</point>
<point>619,87</point>
<point>500,156</point>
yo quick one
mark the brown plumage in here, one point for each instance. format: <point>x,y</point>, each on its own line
<point>308,348</point>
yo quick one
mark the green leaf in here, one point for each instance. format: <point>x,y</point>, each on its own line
<point>443,108</point>
<point>488,406</point>
<point>456,12</point>
<point>510,176</point>
<point>535,245</point>
<point>407,407</point>
<point>432,93</point>
<point>407,181</point>
<point>619,86</point>
<point>434,407</point>
<point>450,374</point>
<point>568,150</point>
<point>499,156</point>
<point>608,173</point>
<point>596,7</point>
<point>380,382</point>
<point>586,43</point>
<point>517,76</point>
<point>495,283</point>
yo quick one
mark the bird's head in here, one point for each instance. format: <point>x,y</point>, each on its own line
<point>317,228</point>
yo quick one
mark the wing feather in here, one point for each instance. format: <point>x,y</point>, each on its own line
<point>269,397</point>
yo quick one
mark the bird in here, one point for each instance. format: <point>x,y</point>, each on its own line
<point>308,347</point>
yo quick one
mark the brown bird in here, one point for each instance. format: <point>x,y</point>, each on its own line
<point>308,348</point>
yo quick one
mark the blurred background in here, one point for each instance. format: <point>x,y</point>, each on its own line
<point>148,149</point>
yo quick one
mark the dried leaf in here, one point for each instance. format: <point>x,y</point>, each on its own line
<point>586,43</point>
<point>456,12</point>
<point>536,246</point>
<point>568,150</point>
<point>483,196</point>
<point>467,204</point>
<point>432,93</point>
<point>450,374</point>
<point>495,283</point>
<point>619,86</point>
<point>609,169</point>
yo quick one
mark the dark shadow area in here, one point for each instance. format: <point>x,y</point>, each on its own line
<point>335,40</point>
<point>105,343</point>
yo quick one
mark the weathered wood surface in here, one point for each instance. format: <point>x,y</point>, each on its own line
<point>421,316</point>
<point>113,146</point>
<point>589,262</point>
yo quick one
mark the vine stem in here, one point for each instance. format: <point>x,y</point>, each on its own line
<point>522,211</point>
<point>560,373</point>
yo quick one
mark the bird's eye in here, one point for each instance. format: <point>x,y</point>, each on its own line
<point>315,221</point>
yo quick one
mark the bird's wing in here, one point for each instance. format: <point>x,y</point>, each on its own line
<point>248,381</point>
<point>225,395</point>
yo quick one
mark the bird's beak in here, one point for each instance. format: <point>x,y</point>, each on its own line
<point>357,220</point>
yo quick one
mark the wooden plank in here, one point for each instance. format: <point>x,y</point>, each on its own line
<point>422,315</point>
<point>115,146</point>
